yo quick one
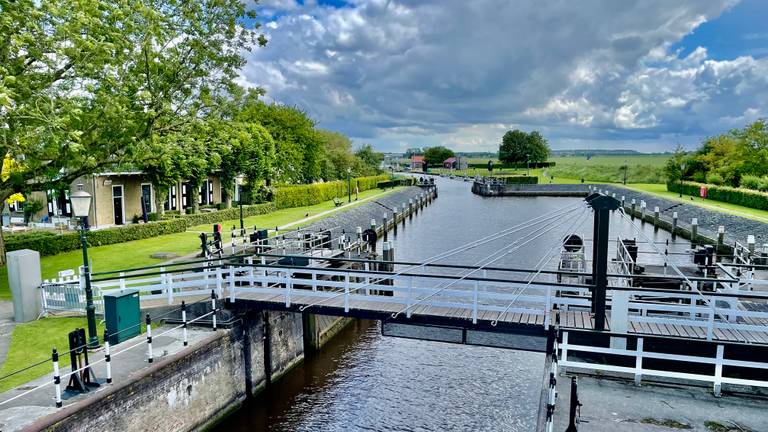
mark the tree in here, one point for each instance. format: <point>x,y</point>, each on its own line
<point>436,155</point>
<point>413,152</point>
<point>91,85</point>
<point>369,160</point>
<point>338,156</point>
<point>520,147</point>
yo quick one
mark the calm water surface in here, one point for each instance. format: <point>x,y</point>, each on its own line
<point>363,381</point>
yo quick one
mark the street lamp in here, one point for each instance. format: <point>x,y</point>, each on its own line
<point>81,206</point>
<point>240,203</point>
<point>349,185</point>
<point>682,170</point>
<point>625,171</point>
<point>527,164</point>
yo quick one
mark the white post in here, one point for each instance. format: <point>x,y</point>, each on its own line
<point>346,292</point>
<point>218,280</point>
<point>56,377</point>
<point>639,362</point>
<point>107,361</point>
<point>619,318</point>
<point>249,260</point>
<point>289,287</point>
<point>564,352</point>
<point>184,323</point>
<point>474,302</point>
<point>232,283</point>
<point>719,370</point>
<point>169,287</point>
<point>122,281</point>
<point>150,357</point>
<point>213,309</point>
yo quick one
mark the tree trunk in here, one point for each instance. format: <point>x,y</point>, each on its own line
<point>227,198</point>
<point>3,196</point>
<point>160,195</point>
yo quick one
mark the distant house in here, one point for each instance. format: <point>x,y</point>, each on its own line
<point>417,162</point>
<point>117,199</point>
<point>456,162</point>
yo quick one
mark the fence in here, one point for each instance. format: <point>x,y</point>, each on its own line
<point>718,362</point>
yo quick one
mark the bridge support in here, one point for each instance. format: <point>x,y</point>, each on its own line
<point>602,205</point>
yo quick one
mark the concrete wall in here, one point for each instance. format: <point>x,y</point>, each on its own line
<point>196,387</point>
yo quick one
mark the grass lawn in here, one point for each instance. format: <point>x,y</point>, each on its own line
<point>137,253</point>
<point>661,190</point>
<point>32,342</point>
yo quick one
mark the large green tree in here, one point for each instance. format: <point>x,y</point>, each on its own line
<point>436,155</point>
<point>520,147</point>
<point>338,156</point>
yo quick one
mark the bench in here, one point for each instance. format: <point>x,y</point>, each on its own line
<point>337,202</point>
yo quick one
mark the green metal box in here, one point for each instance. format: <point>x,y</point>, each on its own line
<point>122,314</point>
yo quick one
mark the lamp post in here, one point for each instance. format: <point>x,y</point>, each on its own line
<point>682,171</point>
<point>349,185</point>
<point>527,164</point>
<point>240,204</point>
<point>81,206</point>
<point>625,171</point>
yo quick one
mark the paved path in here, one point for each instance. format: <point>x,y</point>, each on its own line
<point>6,328</point>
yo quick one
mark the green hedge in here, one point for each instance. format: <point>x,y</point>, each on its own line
<point>49,243</point>
<point>499,165</point>
<point>210,218</point>
<point>403,181</point>
<point>519,179</point>
<point>738,196</point>
<point>304,195</point>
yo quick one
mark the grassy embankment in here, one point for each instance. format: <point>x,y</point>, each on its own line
<point>32,342</point>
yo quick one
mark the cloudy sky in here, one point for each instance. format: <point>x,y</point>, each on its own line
<point>641,74</point>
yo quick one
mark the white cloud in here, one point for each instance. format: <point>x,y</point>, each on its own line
<point>394,72</point>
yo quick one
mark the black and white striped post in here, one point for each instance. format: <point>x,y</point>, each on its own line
<point>184,323</point>
<point>213,308</point>
<point>107,357</point>
<point>385,224</point>
<point>150,356</point>
<point>56,377</point>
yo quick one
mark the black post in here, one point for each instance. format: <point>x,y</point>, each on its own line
<point>572,417</point>
<point>602,205</point>
<point>349,187</point>
<point>242,227</point>
<point>90,309</point>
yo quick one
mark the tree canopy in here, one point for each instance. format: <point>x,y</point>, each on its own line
<point>518,146</point>
<point>436,155</point>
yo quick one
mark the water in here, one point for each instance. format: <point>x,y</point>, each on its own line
<point>362,381</point>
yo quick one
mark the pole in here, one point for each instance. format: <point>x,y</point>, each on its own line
<point>90,309</point>
<point>242,227</point>
<point>349,187</point>
<point>574,407</point>
<point>602,205</point>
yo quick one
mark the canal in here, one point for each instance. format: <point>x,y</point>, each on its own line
<point>363,381</point>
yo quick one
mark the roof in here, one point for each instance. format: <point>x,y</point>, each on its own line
<point>450,160</point>
<point>417,158</point>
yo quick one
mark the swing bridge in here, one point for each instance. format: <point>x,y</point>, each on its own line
<point>706,323</point>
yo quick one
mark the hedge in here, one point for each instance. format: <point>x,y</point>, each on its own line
<point>738,196</point>
<point>519,179</point>
<point>49,243</point>
<point>498,165</point>
<point>311,194</point>
<point>210,218</point>
<point>404,181</point>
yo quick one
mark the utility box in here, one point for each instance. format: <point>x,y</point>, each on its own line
<point>122,313</point>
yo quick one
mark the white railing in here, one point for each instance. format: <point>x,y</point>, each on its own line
<point>708,313</point>
<point>639,370</point>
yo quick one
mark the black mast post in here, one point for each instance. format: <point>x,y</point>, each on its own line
<point>602,205</point>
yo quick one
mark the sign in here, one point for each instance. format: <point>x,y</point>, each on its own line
<point>66,273</point>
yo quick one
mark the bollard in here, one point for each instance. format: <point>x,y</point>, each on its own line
<point>656,217</point>
<point>373,224</point>
<point>751,245</point>
<point>633,204</point>
<point>385,225</point>
<point>410,208</point>
<point>150,358</point>
<point>674,224</point>
<point>107,357</point>
<point>694,230</point>
<point>359,238</point>
<point>394,220</point>
<point>720,237</point>
<point>642,211</point>
<point>213,308</point>
<point>623,202</point>
<point>56,377</point>
<point>184,323</point>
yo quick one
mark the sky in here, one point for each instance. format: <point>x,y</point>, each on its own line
<point>631,74</point>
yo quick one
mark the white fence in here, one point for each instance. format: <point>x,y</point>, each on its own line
<point>639,371</point>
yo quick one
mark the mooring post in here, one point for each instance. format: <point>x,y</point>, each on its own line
<point>642,211</point>
<point>107,357</point>
<point>56,377</point>
<point>634,203</point>
<point>150,357</point>
<point>184,323</point>
<point>623,201</point>
<point>694,230</point>
<point>720,238</point>
<point>674,224</point>
<point>656,217</point>
<point>394,220</point>
<point>751,245</point>
<point>410,208</point>
<point>385,226</point>
<point>574,407</point>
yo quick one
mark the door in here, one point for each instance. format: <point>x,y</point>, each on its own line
<point>117,204</point>
<point>146,197</point>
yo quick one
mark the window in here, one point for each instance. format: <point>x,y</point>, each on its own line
<point>170,200</point>
<point>210,192</point>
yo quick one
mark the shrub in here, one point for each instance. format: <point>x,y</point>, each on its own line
<point>209,218</point>
<point>50,243</point>
<point>762,184</point>
<point>715,179</point>
<point>401,181</point>
<point>750,182</point>
<point>520,179</point>
<point>738,196</point>
<point>303,195</point>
